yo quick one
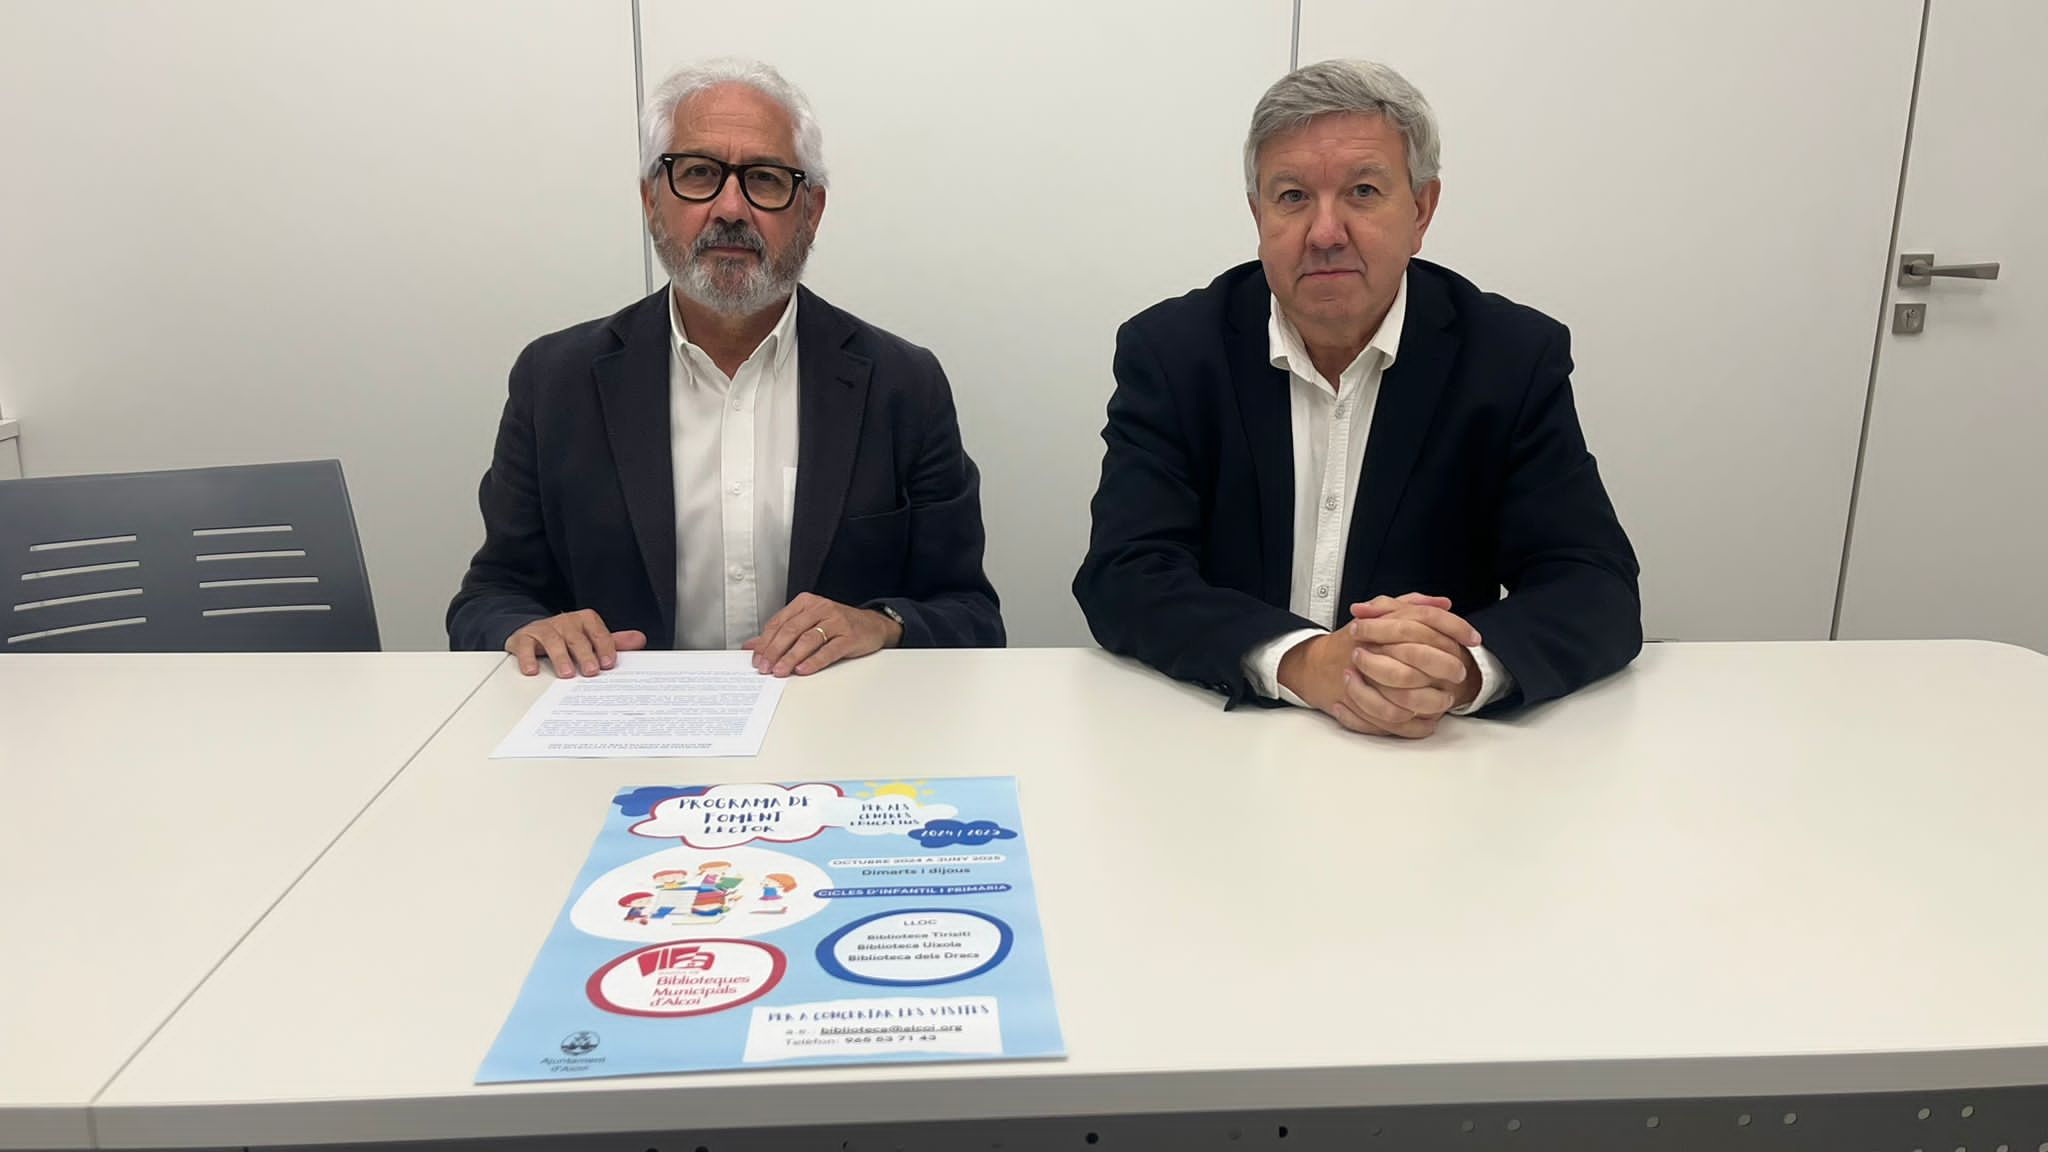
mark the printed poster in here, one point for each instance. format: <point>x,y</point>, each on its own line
<point>769,925</point>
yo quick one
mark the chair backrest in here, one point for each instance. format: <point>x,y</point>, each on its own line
<point>259,558</point>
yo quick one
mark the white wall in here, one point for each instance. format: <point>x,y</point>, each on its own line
<point>1704,193</point>
<point>266,231</point>
<point>244,231</point>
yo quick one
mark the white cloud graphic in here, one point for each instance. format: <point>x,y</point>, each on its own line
<point>886,815</point>
<point>731,814</point>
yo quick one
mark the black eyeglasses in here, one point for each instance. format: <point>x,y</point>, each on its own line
<point>697,178</point>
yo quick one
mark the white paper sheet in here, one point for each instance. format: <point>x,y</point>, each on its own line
<point>652,704</point>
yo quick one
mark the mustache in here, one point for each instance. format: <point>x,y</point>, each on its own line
<point>728,234</point>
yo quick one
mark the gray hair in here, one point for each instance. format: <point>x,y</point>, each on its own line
<point>1335,87</point>
<point>657,119</point>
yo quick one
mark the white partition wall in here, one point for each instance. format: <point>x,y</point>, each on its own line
<point>243,231</point>
<point>1704,193</point>
<point>1009,183</point>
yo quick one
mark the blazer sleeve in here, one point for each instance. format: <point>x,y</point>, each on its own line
<point>513,579</point>
<point>1573,612</point>
<point>947,601</point>
<point>1141,585</point>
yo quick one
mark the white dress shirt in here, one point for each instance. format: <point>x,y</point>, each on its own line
<point>1330,426</point>
<point>733,442</point>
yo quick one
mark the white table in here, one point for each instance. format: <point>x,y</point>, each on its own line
<point>1744,870</point>
<point>152,808</point>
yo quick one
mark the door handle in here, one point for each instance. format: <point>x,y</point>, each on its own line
<point>1918,269</point>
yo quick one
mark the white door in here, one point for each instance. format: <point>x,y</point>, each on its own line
<point>1950,536</point>
<point>1703,192</point>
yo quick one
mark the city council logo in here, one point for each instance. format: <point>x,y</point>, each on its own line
<point>579,1043</point>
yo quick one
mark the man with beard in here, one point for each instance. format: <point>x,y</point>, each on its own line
<point>731,462</point>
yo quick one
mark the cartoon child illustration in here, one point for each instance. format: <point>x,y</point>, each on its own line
<point>672,880</point>
<point>716,890</point>
<point>637,904</point>
<point>774,887</point>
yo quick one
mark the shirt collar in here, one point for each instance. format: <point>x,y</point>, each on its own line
<point>1285,349</point>
<point>780,341</point>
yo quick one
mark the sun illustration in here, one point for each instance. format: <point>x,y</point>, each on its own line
<point>912,790</point>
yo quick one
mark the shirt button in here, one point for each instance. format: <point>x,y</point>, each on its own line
<point>735,489</point>
<point>1330,503</point>
<point>737,575</point>
<point>1322,591</point>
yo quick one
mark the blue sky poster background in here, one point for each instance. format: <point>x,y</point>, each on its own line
<point>556,1030</point>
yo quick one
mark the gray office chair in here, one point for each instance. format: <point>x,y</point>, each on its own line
<point>261,558</point>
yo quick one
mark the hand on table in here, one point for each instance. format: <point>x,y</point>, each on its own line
<point>1394,670</point>
<point>813,633</point>
<point>1320,672</point>
<point>1417,652</point>
<point>572,642</point>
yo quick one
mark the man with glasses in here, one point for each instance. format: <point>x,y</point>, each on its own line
<point>731,462</point>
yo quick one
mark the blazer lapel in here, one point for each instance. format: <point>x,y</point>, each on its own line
<point>832,385</point>
<point>1263,405</point>
<point>1409,393</point>
<point>632,390</point>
